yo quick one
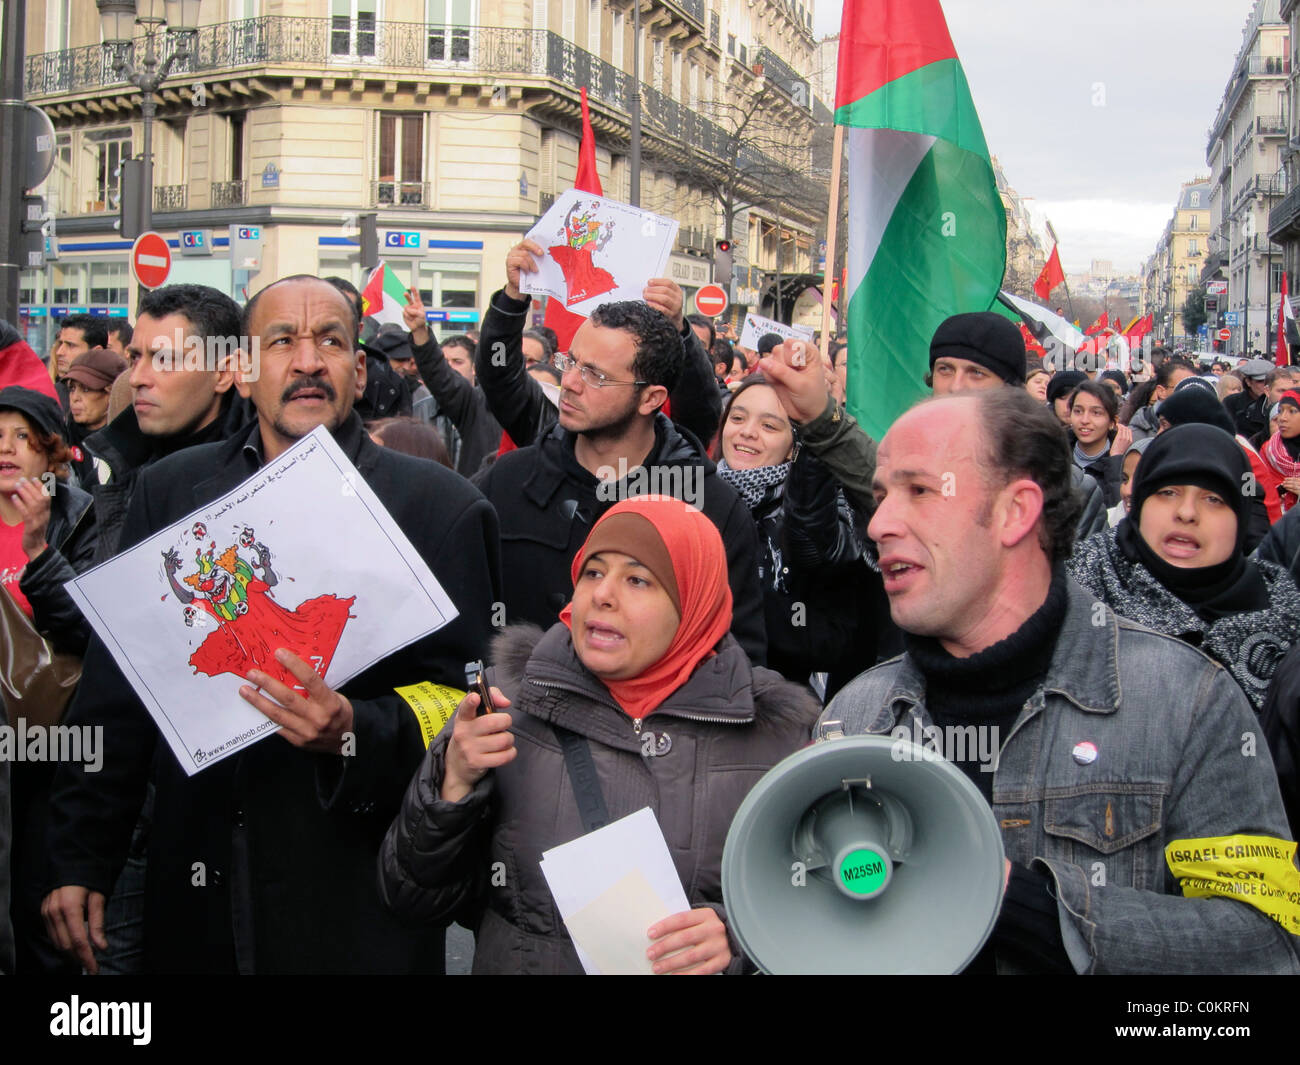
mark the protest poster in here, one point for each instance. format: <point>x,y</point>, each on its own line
<point>597,251</point>
<point>302,555</point>
<point>757,326</point>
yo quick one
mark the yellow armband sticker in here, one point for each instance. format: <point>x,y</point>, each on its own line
<point>1257,870</point>
<point>432,704</point>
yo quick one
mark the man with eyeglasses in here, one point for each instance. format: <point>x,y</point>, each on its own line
<point>519,404</point>
<point>612,441</point>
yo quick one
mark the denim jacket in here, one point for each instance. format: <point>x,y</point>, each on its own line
<point>1179,756</point>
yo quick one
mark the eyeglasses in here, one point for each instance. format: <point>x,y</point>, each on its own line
<point>564,362</point>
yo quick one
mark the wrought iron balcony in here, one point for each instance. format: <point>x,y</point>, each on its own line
<point>1285,217</point>
<point>1271,125</point>
<point>229,193</point>
<point>170,197</point>
<point>400,194</point>
<point>780,73</point>
<point>315,45</point>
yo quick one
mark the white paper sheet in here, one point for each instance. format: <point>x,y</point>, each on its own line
<point>757,326</point>
<point>594,869</point>
<point>345,589</point>
<point>598,251</point>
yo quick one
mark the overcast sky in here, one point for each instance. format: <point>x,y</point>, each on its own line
<point>1097,109</point>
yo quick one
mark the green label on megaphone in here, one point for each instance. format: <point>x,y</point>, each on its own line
<point>864,872</point>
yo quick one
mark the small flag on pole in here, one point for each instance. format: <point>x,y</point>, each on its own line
<point>1051,276</point>
<point>383,297</point>
<point>1286,326</point>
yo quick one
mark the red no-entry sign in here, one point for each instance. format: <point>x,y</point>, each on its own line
<point>711,300</point>
<point>1225,334</point>
<point>151,259</point>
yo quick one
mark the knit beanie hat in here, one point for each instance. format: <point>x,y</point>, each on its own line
<point>982,337</point>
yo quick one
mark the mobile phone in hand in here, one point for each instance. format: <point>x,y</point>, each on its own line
<point>476,680</point>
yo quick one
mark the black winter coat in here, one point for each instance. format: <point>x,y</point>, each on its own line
<point>72,538</point>
<point>1280,718</point>
<point>520,405</point>
<point>807,543</point>
<point>464,403</point>
<point>547,503</point>
<point>1250,414</point>
<point>1107,471</point>
<point>288,839</point>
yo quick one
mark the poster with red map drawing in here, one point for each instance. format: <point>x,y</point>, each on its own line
<point>597,251</point>
<point>302,555</point>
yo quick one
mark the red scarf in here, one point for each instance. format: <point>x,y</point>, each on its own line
<point>700,568</point>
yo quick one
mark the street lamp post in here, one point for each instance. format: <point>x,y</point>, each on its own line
<point>118,19</point>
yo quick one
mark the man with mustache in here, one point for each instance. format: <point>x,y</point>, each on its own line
<point>288,830</point>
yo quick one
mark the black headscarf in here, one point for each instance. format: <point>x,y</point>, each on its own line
<point>1206,457</point>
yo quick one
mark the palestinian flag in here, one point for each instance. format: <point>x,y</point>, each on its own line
<point>927,229</point>
<point>384,297</point>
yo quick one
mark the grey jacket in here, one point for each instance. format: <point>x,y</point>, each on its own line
<point>1179,758</point>
<point>723,729</point>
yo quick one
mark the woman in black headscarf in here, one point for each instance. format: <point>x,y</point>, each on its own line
<point>1177,563</point>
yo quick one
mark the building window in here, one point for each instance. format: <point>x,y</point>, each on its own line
<point>731,44</point>
<point>352,27</point>
<point>708,88</point>
<point>675,89</point>
<point>616,41</point>
<point>593,27</point>
<point>108,149</point>
<point>61,188</point>
<point>1195,223</point>
<point>569,15</point>
<point>57,18</point>
<point>109,283</point>
<point>659,64</point>
<point>449,22</point>
<point>1195,200</point>
<point>1193,247</point>
<point>237,146</point>
<point>401,160</point>
<point>1275,277</point>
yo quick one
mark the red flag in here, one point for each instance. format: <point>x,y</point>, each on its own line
<point>1051,276</point>
<point>565,322</point>
<point>1097,326</point>
<point>558,317</point>
<point>1283,357</point>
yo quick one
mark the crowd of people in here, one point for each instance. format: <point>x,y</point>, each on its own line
<point>679,558</point>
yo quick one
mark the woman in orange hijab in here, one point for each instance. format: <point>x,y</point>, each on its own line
<point>642,675</point>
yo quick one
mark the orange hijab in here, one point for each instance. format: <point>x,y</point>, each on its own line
<point>699,564</point>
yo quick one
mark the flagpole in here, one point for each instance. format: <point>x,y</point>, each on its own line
<point>832,224</point>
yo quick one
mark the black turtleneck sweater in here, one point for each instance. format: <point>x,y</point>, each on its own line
<point>988,690</point>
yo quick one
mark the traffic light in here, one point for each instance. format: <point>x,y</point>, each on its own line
<point>137,183</point>
<point>369,223</point>
<point>722,262</point>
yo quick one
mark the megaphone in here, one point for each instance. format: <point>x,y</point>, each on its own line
<point>863,854</point>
